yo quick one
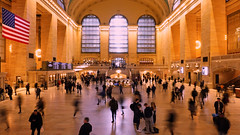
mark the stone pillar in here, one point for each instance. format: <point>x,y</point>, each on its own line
<point>104,43</point>
<point>18,62</point>
<point>159,48</point>
<point>183,40</point>
<point>48,36</point>
<point>213,29</point>
<point>61,43</point>
<point>132,44</point>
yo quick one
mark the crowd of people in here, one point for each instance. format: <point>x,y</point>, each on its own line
<point>146,111</point>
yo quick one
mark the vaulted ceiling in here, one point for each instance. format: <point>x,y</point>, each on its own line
<point>105,9</point>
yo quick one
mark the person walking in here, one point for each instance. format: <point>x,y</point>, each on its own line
<point>171,121</point>
<point>76,104</point>
<point>36,122</point>
<point>192,108</point>
<point>19,103</point>
<point>4,117</point>
<point>41,106</point>
<point>121,100</point>
<point>201,98</point>
<point>153,91</point>
<point>38,91</point>
<point>86,128</point>
<point>79,88</point>
<point>28,89</point>
<point>121,89</point>
<point>148,119</point>
<point>194,94</point>
<point>218,105</point>
<point>148,91</point>
<point>113,104</point>
<point>173,97</point>
<point>222,124</point>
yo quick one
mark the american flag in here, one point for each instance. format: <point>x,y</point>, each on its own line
<point>14,27</point>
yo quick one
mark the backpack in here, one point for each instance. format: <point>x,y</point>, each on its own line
<point>148,112</point>
<point>156,130</point>
<point>132,106</point>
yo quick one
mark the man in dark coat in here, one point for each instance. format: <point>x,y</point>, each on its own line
<point>27,89</point>
<point>148,91</point>
<point>36,122</point>
<point>218,105</point>
<point>86,128</point>
<point>222,124</point>
<point>113,107</point>
<point>10,92</point>
<point>138,114</point>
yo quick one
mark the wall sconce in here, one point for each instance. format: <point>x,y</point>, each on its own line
<point>198,44</point>
<point>187,66</point>
<point>38,53</point>
<point>10,48</point>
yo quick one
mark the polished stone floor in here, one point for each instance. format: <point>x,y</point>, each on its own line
<point>59,110</point>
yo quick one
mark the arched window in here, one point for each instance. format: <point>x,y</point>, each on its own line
<point>90,34</point>
<point>61,4</point>
<point>118,35</point>
<point>176,3</point>
<point>146,35</point>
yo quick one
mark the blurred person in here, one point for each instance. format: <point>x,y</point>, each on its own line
<point>222,124</point>
<point>148,91</point>
<point>121,101</point>
<point>194,94</point>
<point>148,119</point>
<point>28,89</point>
<point>19,103</point>
<point>4,117</point>
<point>38,92</point>
<point>41,106</point>
<point>113,104</point>
<point>79,88</point>
<point>171,119</point>
<point>121,89</point>
<point>76,106</point>
<point>173,96</point>
<point>86,128</point>
<point>36,122</point>
<point>153,91</point>
<point>192,107</point>
<point>202,97</point>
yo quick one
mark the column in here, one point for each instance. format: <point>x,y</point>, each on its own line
<point>132,44</point>
<point>104,43</point>
<point>214,29</point>
<point>49,36</point>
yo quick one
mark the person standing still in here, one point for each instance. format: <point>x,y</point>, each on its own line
<point>148,119</point>
<point>121,89</point>
<point>10,92</point>
<point>19,103</point>
<point>38,91</point>
<point>36,122</point>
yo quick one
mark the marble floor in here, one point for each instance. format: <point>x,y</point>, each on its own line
<point>59,110</point>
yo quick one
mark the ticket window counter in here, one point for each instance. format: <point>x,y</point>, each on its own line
<point>52,80</point>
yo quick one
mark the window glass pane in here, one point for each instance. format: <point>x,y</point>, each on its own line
<point>118,35</point>
<point>146,35</point>
<point>61,4</point>
<point>90,34</point>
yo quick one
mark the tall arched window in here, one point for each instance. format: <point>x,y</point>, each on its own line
<point>61,4</point>
<point>118,35</point>
<point>90,34</point>
<point>146,35</point>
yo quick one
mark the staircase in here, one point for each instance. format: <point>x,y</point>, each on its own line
<point>235,81</point>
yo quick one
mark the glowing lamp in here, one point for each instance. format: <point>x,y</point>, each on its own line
<point>198,44</point>
<point>38,53</point>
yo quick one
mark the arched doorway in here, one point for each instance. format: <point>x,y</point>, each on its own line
<point>118,62</point>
